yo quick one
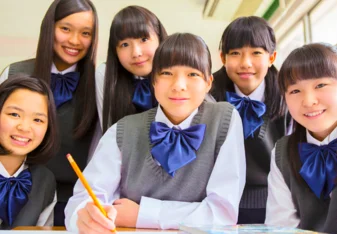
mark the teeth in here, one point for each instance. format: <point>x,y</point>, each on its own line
<point>314,113</point>
<point>72,50</point>
<point>20,139</point>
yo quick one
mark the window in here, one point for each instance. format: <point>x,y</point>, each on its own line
<point>323,22</point>
<point>292,40</point>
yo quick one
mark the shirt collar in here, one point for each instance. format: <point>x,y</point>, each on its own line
<point>70,69</point>
<point>257,94</point>
<point>161,117</point>
<point>5,173</point>
<point>139,78</point>
<point>332,136</point>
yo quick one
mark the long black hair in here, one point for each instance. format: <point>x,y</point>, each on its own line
<point>250,31</point>
<point>130,22</point>
<point>85,109</point>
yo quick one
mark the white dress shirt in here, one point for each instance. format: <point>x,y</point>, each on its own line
<point>47,216</point>
<point>99,80</point>
<point>224,189</point>
<point>256,95</point>
<point>281,210</point>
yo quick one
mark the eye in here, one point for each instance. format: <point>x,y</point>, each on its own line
<point>124,44</point>
<point>86,34</point>
<point>144,39</point>
<point>165,73</point>
<point>257,52</point>
<point>194,74</point>
<point>14,114</point>
<point>38,120</point>
<point>233,53</point>
<point>65,29</point>
<point>320,86</point>
<point>294,91</point>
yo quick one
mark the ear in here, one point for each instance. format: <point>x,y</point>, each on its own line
<point>272,58</point>
<point>223,58</point>
<point>209,83</point>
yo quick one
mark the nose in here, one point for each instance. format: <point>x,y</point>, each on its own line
<point>179,83</point>
<point>74,39</point>
<point>136,51</point>
<point>309,99</point>
<point>24,126</point>
<point>246,61</point>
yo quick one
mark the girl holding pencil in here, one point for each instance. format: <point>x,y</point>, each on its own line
<point>162,167</point>
<point>28,136</point>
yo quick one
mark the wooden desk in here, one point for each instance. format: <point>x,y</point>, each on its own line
<point>63,229</point>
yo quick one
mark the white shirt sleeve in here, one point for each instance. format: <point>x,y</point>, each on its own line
<point>224,191</point>
<point>99,80</point>
<point>4,75</point>
<point>280,207</point>
<point>103,174</point>
<point>47,216</point>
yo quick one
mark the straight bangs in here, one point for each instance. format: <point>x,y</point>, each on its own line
<point>248,31</point>
<point>133,22</point>
<point>183,49</point>
<point>311,61</point>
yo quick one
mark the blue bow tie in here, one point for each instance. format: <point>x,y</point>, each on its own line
<point>251,112</point>
<point>63,86</point>
<point>142,97</point>
<point>14,195</point>
<point>319,166</point>
<point>174,148</point>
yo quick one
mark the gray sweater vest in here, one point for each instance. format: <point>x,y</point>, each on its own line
<point>141,175</point>
<point>41,196</point>
<point>314,214</point>
<point>258,150</point>
<point>78,148</point>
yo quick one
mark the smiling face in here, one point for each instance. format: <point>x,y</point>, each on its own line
<point>23,125</point>
<point>313,104</point>
<point>73,37</point>
<point>136,54</point>
<point>180,90</point>
<point>247,66</point>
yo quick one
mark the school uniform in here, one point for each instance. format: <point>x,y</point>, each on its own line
<point>142,97</point>
<point>206,190</point>
<point>258,146</point>
<point>37,208</point>
<point>292,202</point>
<point>81,149</point>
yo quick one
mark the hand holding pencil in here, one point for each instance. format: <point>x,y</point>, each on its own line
<point>93,216</point>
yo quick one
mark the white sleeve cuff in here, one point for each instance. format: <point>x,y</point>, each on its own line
<point>148,215</point>
<point>72,226</point>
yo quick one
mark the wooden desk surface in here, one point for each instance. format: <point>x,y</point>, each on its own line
<point>63,228</point>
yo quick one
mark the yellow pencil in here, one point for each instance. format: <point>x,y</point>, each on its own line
<point>86,185</point>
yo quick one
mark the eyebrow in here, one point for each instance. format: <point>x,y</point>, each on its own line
<point>69,24</point>
<point>19,109</point>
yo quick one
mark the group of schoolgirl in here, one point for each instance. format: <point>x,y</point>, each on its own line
<point>167,156</point>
